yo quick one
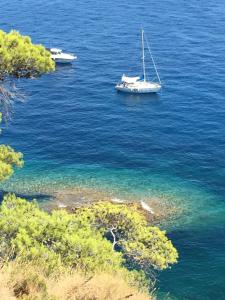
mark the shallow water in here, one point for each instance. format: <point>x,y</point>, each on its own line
<point>76,130</point>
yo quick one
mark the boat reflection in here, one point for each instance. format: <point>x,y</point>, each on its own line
<point>135,99</point>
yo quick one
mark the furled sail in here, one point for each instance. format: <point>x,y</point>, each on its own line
<point>128,79</point>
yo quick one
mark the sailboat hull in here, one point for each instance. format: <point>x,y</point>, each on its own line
<point>138,89</point>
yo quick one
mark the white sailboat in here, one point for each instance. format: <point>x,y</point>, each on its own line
<point>140,85</point>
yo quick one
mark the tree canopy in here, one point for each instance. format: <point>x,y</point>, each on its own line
<point>8,160</point>
<point>80,240</point>
<point>58,242</point>
<point>56,239</point>
<point>130,233</point>
<point>20,58</point>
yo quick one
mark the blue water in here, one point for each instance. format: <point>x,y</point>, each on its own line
<point>75,129</point>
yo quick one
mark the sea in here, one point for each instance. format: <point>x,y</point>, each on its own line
<point>76,131</point>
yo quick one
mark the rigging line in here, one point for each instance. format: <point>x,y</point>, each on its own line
<point>149,49</point>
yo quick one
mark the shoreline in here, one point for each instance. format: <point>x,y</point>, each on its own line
<point>156,209</point>
<point>163,210</point>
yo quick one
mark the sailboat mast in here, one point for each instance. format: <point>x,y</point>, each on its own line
<point>143,53</point>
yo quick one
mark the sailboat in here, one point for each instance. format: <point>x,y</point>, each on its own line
<point>140,85</point>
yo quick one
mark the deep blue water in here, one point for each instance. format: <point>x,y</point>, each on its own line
<point>76,129</point>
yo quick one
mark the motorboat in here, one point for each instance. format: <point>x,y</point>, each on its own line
<point>61,57</point>
<point>140,84</point>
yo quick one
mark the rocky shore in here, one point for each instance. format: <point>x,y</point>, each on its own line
<point>155,209</point>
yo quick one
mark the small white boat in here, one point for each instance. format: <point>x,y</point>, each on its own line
<point>60,57</point>
<point>140,85</point>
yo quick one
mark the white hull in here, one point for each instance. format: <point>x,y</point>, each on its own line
<point>134,89</point>
<point>63,60</point>
<point>60,57</point>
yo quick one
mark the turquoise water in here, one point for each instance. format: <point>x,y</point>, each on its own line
<point>76,130</point>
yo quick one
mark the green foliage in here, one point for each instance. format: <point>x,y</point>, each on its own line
<point>129,232</point>
<point>8,160</point>
<point>57,239</point>
<point>20,58</point>
<point>100,238</point>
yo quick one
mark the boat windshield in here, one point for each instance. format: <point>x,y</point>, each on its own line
<point>56,51</point>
